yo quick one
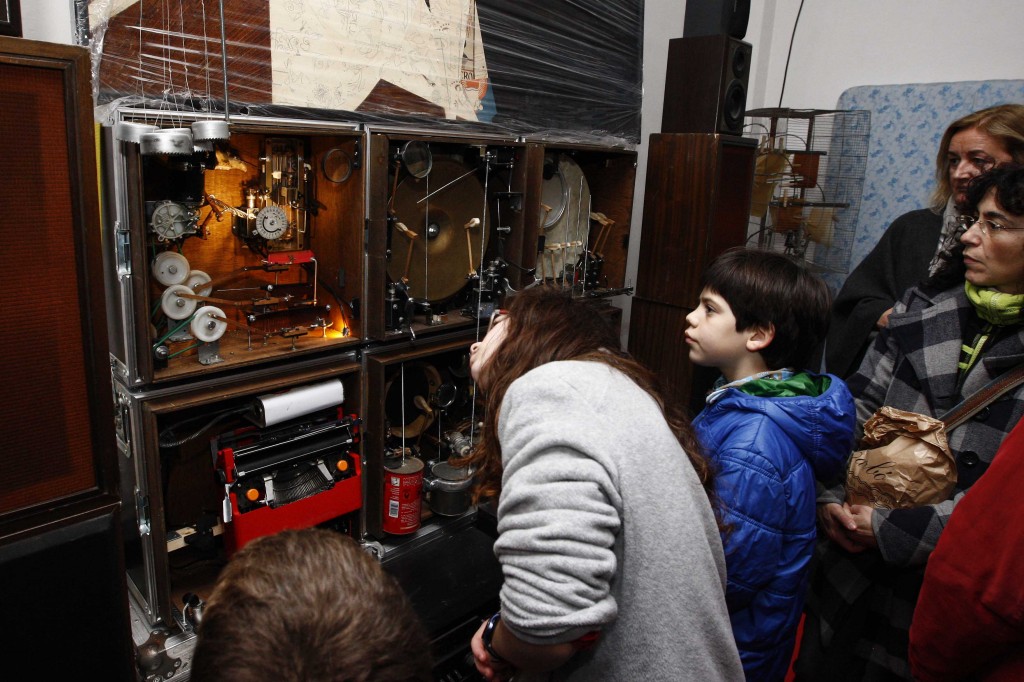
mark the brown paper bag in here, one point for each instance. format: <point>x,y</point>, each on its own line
<point>906,462</point>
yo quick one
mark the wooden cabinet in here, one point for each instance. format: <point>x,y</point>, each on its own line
<point>696,205</point>
<point>60,549</point>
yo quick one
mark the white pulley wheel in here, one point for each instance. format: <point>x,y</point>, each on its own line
<point>198,282</point>
<point>170,268</point>
<point>208,324</point>
<point>271,222</point>
<point>175,305</point>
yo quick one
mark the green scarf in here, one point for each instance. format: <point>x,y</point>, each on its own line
<point>798,384</point>
<point>995,306</point>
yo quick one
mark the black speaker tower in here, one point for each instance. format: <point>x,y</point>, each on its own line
<point>715,17</point>
<point>706,85</point>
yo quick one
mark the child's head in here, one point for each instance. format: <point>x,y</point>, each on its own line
<point>775,299</point>
<point>309,605</point>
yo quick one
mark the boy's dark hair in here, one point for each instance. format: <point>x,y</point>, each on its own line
<point>766,288</point>
<point>307,605</point>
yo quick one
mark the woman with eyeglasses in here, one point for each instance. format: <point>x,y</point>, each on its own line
<point>946,339</point>
<point>908,250</point>
<point>609,545</point>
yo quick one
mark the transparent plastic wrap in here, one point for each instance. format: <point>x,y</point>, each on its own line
<point>567,71</point>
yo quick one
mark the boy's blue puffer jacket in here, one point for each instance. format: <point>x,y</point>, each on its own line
<point>769,450</point>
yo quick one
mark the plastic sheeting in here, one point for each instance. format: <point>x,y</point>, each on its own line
<point>564,70</point>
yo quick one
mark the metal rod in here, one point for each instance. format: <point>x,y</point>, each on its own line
<point>224,60</point>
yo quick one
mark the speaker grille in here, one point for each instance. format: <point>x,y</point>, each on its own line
<point>706,85</point>
<point>47,436</point>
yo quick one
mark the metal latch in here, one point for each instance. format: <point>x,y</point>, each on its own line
<point>122,250</point>
<point>123,424</point>
<point>142,512</point>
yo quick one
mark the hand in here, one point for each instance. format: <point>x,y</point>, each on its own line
<point>883,319</point>
<point>838,523</point>
<point>864,533</point>
<point>489,669</point>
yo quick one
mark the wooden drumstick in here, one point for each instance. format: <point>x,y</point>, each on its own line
<point>469,243</point>
<point>421,403</point>
<point>408,256</point>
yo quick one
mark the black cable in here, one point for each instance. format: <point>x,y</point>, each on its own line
<point>790,52</point>
<point>167,438</point>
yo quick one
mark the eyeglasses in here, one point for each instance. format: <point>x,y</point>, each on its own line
<point>987,227</point>
<point>496,316</point>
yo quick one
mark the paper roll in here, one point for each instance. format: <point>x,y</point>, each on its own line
<point>275,408</point>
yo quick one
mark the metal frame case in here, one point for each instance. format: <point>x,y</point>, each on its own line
<point>578,208</point>
<point>403,382</point>
<point>250,254</point>
<point>174,497</point>
<point>428,266</point>
<point>359,200</point>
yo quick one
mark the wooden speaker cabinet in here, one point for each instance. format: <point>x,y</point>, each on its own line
<point>696,206</point>
<point>59,533</point>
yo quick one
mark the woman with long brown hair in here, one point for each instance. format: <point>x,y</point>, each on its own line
<point>609,545</point>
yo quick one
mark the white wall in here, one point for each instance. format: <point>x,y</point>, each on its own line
<point>50,20</point>
<point>839,44</point>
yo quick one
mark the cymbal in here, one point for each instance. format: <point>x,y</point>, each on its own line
<point>436,209</point>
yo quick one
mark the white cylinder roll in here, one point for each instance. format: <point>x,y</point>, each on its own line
<point>275,408</point>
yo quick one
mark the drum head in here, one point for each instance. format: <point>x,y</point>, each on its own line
<point>572,226</point>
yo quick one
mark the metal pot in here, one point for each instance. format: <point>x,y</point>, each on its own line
<point>448,489</point>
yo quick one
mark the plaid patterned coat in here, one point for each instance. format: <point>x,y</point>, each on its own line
<point>912,366</point>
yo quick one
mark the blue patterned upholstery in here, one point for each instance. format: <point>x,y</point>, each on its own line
<point>907,122</point>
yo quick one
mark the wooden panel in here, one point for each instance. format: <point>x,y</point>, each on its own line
<point>612,180</point>
<point>656,339</point>
<point>71,575</point>
<point>58,424</point>
<point>696,205</point>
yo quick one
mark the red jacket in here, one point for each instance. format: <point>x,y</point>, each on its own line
<point>969,620</point>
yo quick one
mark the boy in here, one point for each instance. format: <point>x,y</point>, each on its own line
<point>771,429</point>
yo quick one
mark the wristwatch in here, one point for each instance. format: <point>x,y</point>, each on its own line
<point>488,635</point>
